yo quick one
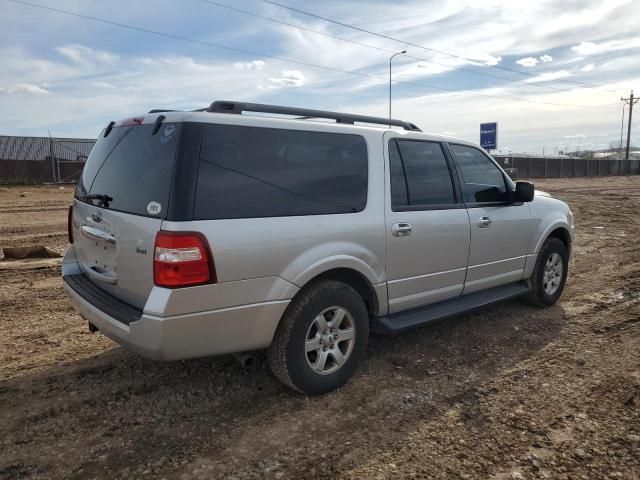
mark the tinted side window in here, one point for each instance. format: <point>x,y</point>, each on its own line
<point>249,172</point>
<point>133,167</point>
<point>482,180</point>
<point>428,181</point>
<point>399,193</point>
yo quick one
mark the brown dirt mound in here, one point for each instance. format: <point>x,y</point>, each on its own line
<point>34,251</point>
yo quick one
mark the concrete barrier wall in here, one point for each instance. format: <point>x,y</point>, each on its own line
<point>39,171</point>
<point>549,167</point>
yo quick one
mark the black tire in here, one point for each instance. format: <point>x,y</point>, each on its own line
<point>287,356</point>
<point>537,295</point>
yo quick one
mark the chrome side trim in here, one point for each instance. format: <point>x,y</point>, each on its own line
<point>427,275</point>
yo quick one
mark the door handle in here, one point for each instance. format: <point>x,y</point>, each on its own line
<point>484,222</point>
<point>401,229</point>
<point>96,234</point>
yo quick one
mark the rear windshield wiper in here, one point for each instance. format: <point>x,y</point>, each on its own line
<point>103,200</point>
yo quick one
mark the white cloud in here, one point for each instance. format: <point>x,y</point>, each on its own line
<point>588,68</point>
<point>577,135</point>
<point>549,76</point>
<point>252,65</point>
<point>586,48</point>
<point>592,48</point>
<point>24,89</point>
<point>528,62</point>
<point>107,85</point>
<point>293,78</point>
<point>487,59</point>
<point>83,54</point>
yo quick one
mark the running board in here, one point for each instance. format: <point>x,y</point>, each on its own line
<point>398,322</point>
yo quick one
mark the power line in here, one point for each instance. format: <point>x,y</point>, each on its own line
<point>478,62</point>
<point>184,39</point>
<point>367,45</point>
<point>283,59</point>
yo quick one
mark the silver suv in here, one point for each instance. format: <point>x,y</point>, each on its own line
<point>298,231</point>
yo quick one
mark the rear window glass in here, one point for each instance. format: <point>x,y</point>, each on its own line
<point>265,172</point>
<point>132,167</point>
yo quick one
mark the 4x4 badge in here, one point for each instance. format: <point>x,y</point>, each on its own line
<point>96,217</point>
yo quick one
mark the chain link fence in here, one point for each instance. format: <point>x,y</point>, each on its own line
<point>42,159</point>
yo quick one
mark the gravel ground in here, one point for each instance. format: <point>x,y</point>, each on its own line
<point>510,392</point>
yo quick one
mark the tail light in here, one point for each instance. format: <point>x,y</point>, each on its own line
<point>70,224</point>
<point>182,259</point>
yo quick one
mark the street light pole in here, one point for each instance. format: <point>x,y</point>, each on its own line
<point>391,58</point>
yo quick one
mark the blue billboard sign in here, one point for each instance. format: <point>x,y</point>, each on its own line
<point>489,136</point>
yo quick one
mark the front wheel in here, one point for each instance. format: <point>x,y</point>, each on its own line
<point>321,338</point>
<point>549,274</point>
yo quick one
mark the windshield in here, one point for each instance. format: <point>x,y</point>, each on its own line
<point>132,169</point>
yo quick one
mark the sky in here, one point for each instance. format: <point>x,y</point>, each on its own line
<point>551,73</point>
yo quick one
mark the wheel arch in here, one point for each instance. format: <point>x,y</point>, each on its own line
<point>562,234</point>
<point>559,230</point>
<point>356,280</point>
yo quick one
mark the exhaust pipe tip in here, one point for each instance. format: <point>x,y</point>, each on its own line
<point>246,359</point>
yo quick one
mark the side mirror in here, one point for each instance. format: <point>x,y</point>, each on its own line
<point>524,192</point>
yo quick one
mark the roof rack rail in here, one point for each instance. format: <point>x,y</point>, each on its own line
<point>161,110</point>
<point>226,106</point>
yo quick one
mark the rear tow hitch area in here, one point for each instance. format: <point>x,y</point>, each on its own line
<point>248,360</point>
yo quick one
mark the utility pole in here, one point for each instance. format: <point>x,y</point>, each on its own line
<point>621,132</point>
<point>629,101</point>
<point>53,162</point>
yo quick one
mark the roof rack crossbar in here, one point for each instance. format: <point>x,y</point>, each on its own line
<point>225,106</point>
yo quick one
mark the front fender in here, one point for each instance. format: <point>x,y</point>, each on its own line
<point>546,230</point>
<point>549,214</point>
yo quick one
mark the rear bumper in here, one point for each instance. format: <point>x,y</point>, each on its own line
<point>212,332</point>
<point>236,329</point>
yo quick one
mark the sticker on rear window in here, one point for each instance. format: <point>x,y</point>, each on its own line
<point>154,208</point>
<point>167,133</point>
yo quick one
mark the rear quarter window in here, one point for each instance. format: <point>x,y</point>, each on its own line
<point>249,172</point>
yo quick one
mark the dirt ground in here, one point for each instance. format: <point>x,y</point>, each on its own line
<point>510,392</point>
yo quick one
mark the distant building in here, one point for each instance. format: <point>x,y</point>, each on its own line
<point>42,159</point>
<point>43,148</point>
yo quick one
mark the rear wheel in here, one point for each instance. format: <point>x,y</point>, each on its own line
<point>321,338</point>
<point>549,274</point>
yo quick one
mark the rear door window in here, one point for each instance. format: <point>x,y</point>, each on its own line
<point>249,172</point>
<point>420,175</point>
<point>132,167</point>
